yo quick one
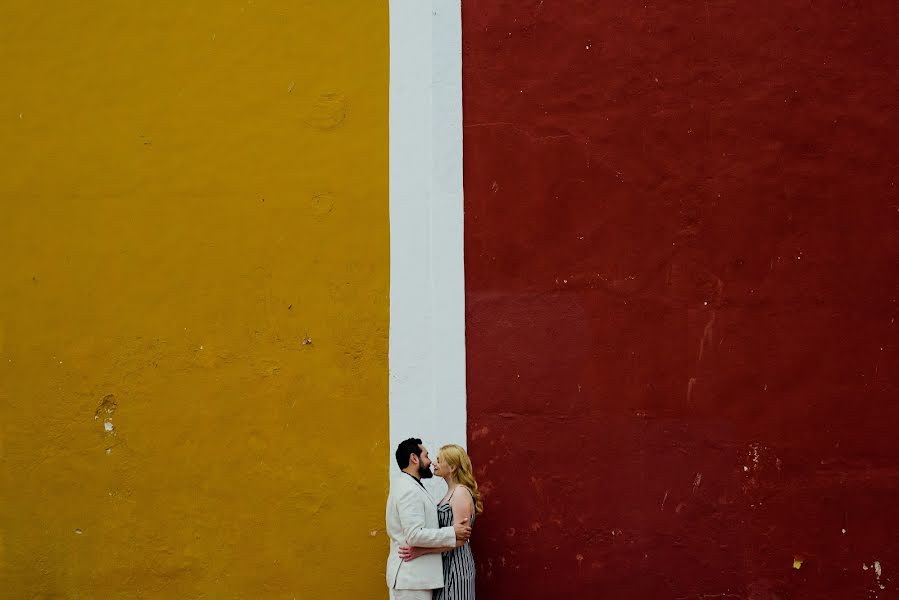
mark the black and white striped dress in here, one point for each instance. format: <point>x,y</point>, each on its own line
<point>458,564</point>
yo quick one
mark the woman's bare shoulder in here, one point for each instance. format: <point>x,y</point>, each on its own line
<point>462,499</point>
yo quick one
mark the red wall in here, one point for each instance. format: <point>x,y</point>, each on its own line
<point>681,290</point>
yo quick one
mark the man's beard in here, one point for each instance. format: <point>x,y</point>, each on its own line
<point>425,472</point>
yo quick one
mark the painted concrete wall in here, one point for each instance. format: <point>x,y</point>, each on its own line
<point>427,281</point>
<point>681,284</point>
<point>194,250</point>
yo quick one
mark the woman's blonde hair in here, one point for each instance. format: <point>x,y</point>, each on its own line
<point>455,456</point>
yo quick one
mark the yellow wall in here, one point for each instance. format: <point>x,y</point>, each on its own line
<point>189,190</point>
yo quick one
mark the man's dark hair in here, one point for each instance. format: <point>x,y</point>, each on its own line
<point>405,449</point>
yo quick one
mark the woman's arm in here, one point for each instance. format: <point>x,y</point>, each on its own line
<point>463,507</point>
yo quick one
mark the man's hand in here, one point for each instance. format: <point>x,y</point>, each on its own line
<point>463,531</point>
<point>407,553</point>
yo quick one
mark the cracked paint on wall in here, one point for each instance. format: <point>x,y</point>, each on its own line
<point>191,194</point>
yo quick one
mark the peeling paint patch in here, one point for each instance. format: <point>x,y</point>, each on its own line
<point>107,407</point>
<point>327,112</point>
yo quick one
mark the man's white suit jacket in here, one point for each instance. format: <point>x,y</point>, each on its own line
<point>412,521</point>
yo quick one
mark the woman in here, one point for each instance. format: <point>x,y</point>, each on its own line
<point>462,502</point>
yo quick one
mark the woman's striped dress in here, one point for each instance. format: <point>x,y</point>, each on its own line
<point>458,564</point>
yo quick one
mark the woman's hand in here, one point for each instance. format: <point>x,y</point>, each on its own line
<point>408,553</point>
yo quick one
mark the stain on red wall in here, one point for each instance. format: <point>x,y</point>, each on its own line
<point>681,297</point>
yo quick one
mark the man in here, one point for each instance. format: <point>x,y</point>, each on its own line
<point>412,521</point>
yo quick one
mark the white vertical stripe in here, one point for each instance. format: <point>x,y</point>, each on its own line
<point>427,280</point>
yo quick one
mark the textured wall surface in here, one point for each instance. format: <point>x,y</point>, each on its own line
<point>681,284</point>
<point>188,192</point>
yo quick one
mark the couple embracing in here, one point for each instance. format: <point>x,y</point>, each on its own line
<point>429,552</point>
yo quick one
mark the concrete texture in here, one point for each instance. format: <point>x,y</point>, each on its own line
<point>427,280</point>
<point>193,299</point>
<point>681,286</point>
